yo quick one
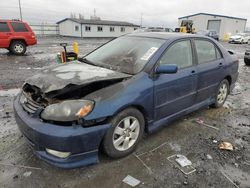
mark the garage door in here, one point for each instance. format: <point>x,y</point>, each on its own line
<point>214,25</point>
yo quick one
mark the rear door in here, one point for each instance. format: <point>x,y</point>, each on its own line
<point>5,34</point>
<point>20,30</point>
<point>176,92</point>
<point>210,68</point>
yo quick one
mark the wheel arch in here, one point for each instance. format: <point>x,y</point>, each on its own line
<point>138,107</point>
<point>22,40</point>
<point>229,79</point>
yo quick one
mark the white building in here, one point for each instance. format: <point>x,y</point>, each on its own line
<point>224,25</point>
<point>94,28</point>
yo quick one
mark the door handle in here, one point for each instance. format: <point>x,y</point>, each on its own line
<point>193,72</point>
<point>220,64</point>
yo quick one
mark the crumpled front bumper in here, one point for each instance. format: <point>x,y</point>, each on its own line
<point>83,143</point>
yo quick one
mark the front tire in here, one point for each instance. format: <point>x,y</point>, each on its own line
<point>18,48</point>
<point>221,94</point>
<point>247,62</point>
<point>125,133</point>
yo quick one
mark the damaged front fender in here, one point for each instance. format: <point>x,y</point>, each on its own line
<point>136,92</point>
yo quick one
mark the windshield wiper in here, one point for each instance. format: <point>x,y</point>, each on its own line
<point>85,60</point>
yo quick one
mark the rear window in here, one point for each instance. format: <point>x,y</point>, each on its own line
<point>4,27</point>
<point>19,27</point>
<point>205,51</point>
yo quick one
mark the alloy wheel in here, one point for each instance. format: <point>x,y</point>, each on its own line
<point>126,133</point>
<point>18,48</point>
<point>222,94</point>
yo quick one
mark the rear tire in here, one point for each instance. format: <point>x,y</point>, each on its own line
<point>221,93</point>
<point>125,133</point>
<point>247,62</point>
<point>17,47</point>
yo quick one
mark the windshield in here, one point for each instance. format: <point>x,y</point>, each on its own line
<point>242,34</point>
<point>125,54</point>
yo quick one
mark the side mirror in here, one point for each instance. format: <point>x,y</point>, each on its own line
<point>64,44</point>
<point>166,69</point>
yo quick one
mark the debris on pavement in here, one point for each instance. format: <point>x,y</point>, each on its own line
<point>20,166</point>
<point>215,141</point>
<point>131,181</point>
<point>226,146</point>
<point>201,122</point>
<point>230,179</point>
<point>209,157</point>
<point>144,164</point>
<point>27,174</point>
<point>185,183</point>
<point>182,163</point>
<point>15,176</point>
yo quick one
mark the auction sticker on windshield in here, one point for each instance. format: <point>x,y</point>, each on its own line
<point>149,53</point>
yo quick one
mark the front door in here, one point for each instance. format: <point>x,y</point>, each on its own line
<point>4,35</point>
<point>176,92</point>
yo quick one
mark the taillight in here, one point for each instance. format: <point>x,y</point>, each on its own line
<point>33,35</point>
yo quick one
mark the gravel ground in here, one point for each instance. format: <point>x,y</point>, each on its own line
<point>149,163</point>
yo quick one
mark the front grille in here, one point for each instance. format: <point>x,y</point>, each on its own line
<point>28,104</point>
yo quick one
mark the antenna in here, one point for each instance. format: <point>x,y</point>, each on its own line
<point>94,12</point>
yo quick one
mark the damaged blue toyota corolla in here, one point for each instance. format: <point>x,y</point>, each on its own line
<point>130,86</point>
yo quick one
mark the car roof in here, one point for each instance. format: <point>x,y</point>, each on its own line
<point>162,35</point>
<point>2,20</point>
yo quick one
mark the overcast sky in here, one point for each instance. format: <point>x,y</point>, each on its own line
<point>154,12</point>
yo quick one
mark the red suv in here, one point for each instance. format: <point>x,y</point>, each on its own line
<point>16,36</point>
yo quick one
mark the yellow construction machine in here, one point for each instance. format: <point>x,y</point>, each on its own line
<point>186,27</point>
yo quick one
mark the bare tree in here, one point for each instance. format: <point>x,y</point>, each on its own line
<point>81,17</point>
<point>72,15</point>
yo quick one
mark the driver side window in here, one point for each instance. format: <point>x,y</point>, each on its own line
<point>180,54</point>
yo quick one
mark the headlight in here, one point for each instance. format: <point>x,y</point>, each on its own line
<point>67,110</point>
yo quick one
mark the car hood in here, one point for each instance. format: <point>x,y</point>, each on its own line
<point>236,37</point>
<point>57,77</point>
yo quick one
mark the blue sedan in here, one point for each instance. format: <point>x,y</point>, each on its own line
<point>131,85</point>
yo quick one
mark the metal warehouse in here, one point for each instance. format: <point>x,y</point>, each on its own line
<point>94,28</point>
<point>224,25</point>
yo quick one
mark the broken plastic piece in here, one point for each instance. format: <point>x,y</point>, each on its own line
<point>215,141</point>
<point>27,174</point>
<point>183,161</point>
<point>131,181</point>
<point>188,169</point>
<point>226,146</point>
<point>201,122</point>
<point>209,157</point>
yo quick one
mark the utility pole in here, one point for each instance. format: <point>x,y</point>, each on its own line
<point>141,20</point>
<point>20,10</point>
